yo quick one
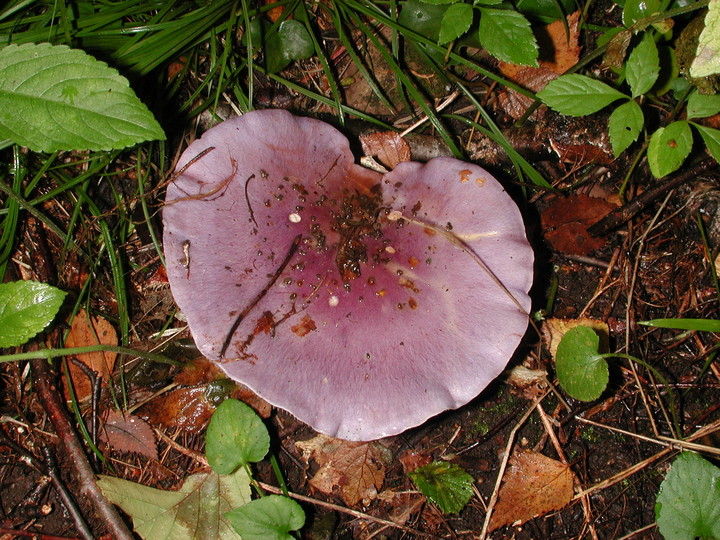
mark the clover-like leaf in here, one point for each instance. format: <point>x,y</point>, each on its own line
<point>668,148</point>
<point>581,369</point>
<point>58,98</point>
<point>624,126</point>
<point>235,436</point>
<point>446,484</point>
<point>26,308</point>
<point>688,503</point>
<point>578,95</point>
<point>271,517</point>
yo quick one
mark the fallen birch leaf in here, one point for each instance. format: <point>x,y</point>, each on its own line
<point>128,433</point>
<point>534,486</point>
<point>354,471</point>
<point>86,331</point>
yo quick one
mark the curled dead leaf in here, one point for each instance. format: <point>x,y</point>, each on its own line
<point>128,433</point>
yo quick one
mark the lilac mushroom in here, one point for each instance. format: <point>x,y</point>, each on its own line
<point>359,302</point>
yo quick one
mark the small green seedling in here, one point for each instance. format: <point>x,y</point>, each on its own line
<point>26,308</point>
<point>446,484</point>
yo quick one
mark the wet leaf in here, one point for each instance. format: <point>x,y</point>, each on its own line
<point>446,484</point>
<point>26,308</point>
<point>184,408</point>
<point>534,485</point>
<point>196,510</point>
<point>624,126</point>
<point>388,146</point>
<point>566,221</point>
<point>270,517</point>
<point>128,433</point>
<point>582,371</point>
<point>643,66</point>
<point>57,98</point>
<point>578,95</point>
<point>707,59</point>
<point>688,503</point>
<point>355,471</point>
<point>634,10</point>
<point>668,148</point>
<point>235,437</point>
<point>86,331</point>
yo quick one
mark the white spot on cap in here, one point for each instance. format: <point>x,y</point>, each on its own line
<point>390,249</point>
<point>294,218</point>
<point>333,301</point>
<point>394,215</point>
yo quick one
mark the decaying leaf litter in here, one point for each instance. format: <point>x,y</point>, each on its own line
<point>609,455</point>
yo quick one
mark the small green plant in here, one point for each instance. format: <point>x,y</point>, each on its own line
<point>446,484</point>
<point>215,504</point>
<point>26,308</point>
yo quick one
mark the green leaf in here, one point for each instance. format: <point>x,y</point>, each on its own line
<point>446,484</point>
<point>702,325</point>
<point>545,11</point>
<point>578,95</point>
<point>236,436</point>
<point>197,510</point>
<point>643,66</point>
<point>707,59</point>
<point>26,308</point>
<point>702,105</point>
<point>290,42</point>
<point>712,140</point>
<point>634,10</point>
<point>455,22</point>
<point>269,518</point>
<point>506,35</point>
<point>57,98</point>
<point>668,148</point>
<point>438,2</point>
<point>581,370</point>
<point>624,126</point>
<point>688,503</point>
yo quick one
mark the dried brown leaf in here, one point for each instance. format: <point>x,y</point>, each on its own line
<point>534,485</point>
<point>354,471</point>
<point>128,433</point>
<point>84,332</point>
<point>566,221</point>
<point>388,146</point>
<point>183,408</point>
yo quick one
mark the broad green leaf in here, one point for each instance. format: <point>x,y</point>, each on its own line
<point>446,484</point>
<point>455,22</point>
<point>702,105</point>
<point>197,510</point>
<point>423,18</point>
<point>624,126</point>
<point>290,42</point>
<point>643,66</point>
<point>26,308</point>
<point>582,371</point>
<point>688,503</point>
<point>438,2</point>
<point>634,10</point>
<point>269,518</point>
<point>707,59</point>
<point>57,98</point>
<point>506,35</point>
<point>703,325</point>
<point>668,148</point>
<point>712,140</point>
<point>578,95</point>
<point>236,436</point>
<point>545,11</point>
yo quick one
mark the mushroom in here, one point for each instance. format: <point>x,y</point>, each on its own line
<point>361,303</point>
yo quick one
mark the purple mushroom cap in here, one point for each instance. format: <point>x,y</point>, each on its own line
<point>361,303</point>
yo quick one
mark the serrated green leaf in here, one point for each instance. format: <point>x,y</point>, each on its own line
<point>236,436</point>
<point>688,503</point>
<point>624,126</point>
<point>26,308</point>
<point>269,518</point>
<point>582,371</point>
<point>702,105</point>
<point>712,140</point>
<point>57,98</point>
<point>707,59</point>
<point>634,10</point>
<point>578,95</point>
<point>507,35</point>
<point>446,484</point>
<point>196,510</point>
<point>455,22</point>
<point>702,325</point>
<point>668,148</point>
<point>643,66</point>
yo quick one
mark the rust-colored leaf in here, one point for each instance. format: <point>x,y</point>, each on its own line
<point>413,459</point>
<point>534,485</point>
<point>566,221</point>
<point>128,433</point>
<point>354,471</point>
<point>86,332</point>
<point>183,408</point>
<point>388,146</point>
